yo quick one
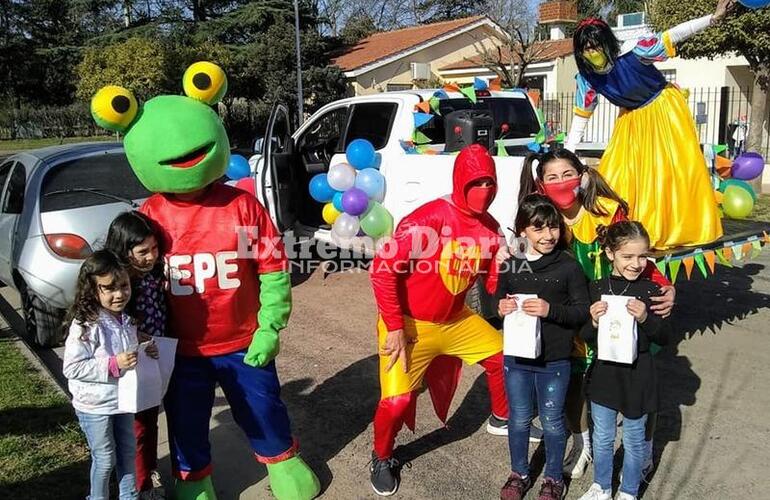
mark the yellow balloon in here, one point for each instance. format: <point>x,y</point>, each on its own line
<point>330,213</point>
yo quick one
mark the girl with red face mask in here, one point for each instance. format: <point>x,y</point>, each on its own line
<point>587,203</point>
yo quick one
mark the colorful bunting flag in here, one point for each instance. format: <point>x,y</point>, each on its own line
<point>737,252</point>
<point>421,119</point>
<point>766,237</point>
<point>673,266</point>
<point>700,261</point>
<point>534,147</point>
<point>757,246</point>
<point>501,151</point>
<point>560,138</point>
<point>470,93</point>
<point>424,106</point>
<point>661,265</point>
<point>451,87</point>
<point>689,262</point>
<point>725,256</point>
<point>746,250</point>
<point>719,148</point>
<point>420,138</point>
<point>435,104</point>
<point>441,93</point>
<point>495,84</point>
<point>711,261</point>
<point>479,84</point>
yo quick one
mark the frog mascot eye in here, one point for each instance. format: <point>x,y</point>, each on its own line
<point>114,108</point>
<point>205,82</point>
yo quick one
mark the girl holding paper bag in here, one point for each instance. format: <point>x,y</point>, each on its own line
<point>101,345</point>
<point>628,389</point>
<point>586,203</point>
<point>132,237</point>
<point>543,269</point>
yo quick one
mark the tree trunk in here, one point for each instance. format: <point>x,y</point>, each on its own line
<point>758,118</point>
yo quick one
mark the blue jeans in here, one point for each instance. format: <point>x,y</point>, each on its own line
<point>547,385</point>
<point>634,450</point>
<point>113,445</point>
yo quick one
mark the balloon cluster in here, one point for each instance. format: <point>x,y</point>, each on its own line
<point>353,193</point>
<point>737,195</point>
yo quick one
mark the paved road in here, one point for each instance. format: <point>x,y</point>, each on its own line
<point>713,439</point>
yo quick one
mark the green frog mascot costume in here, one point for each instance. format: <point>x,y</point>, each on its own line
<point>229,292</point>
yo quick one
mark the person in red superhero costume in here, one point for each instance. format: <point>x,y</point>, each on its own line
<point>420,278</point>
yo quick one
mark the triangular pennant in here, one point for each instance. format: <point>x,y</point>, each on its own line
<point>501,151</point>
<point>766,237</point>
<point>701,264</point>
<point>560,137</point>
<point>689,262</point>
<point>435,103</point>
<point>424,106</point>
<point>738,252</point>
<point>421,149</point>
<point>757,246</point>
<point>495,85</point>
<point>673,266</point>
<point>451,87</point>
<point>470,93</point>
<point>725,255</point>
<point>441,94</point>
<point>421,119</point>
<point>540,137</point>
<point>479,84</point>
<point>746,250</point>
<point>420,138</point>
<point>534,147</point>
<point>711,261</point>
<point>661,265</point>
<point>719,148</point>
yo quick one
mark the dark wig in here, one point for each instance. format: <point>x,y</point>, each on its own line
<point>593,32</point>
<point>85,308</point>
<point>588,196</point>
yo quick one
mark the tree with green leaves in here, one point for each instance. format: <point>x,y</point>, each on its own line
<point>744,32</point>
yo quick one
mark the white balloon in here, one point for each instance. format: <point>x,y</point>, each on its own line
<point>346,226</point>
<point>341,176</point>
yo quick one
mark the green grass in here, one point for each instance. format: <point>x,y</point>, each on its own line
<point>43,454</point>
<point>24,144</point>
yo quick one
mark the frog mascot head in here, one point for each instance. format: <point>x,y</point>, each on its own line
<point>174,143</point>
<point>177,145</point>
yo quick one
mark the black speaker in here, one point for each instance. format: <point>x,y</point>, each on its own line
<point>468,126</point>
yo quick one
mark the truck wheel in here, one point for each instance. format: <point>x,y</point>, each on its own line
<point>43,323</point>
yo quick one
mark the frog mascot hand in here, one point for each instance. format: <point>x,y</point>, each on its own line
<point>229,293</point>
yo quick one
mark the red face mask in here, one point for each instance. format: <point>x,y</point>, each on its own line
<point>479,198</point>
<point>562,194</point>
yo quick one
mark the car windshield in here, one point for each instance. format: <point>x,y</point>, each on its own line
<point>90,181</point>
<point>514,114</point>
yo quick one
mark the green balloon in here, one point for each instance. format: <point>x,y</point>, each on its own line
<point>737,183</point>
<point>737,202</point>
<point>377,221</point>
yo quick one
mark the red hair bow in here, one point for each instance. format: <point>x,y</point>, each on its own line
<point>591,21</point>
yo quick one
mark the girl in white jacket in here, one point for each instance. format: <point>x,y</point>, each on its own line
<point>102,344</point>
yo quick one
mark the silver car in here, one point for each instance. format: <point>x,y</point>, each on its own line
<point>56,205</point>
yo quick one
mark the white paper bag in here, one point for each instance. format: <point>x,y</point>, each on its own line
<point>141,387</point>
<point>617,331</point>
<point>521,332</point>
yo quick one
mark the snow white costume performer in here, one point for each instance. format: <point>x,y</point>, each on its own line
<point>653,160</point>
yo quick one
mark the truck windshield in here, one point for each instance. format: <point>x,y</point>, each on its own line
<point>513,118</point>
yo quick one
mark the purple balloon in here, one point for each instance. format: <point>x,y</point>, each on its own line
<point>355,201</point>
<point>748,166</point>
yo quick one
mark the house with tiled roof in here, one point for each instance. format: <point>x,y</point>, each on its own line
<point>440,52</point>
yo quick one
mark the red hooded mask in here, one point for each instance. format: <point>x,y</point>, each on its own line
<point>473,163</point>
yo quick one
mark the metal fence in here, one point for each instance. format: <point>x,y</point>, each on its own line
<point>721,114</point>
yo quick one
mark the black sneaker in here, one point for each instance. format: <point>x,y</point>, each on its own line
<point>535,433</point>
<point>384,475</point>
<point>497,426</point>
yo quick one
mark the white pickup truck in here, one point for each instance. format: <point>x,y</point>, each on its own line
<point>289,159</point>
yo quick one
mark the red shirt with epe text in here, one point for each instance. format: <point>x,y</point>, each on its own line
<point>215,247</point>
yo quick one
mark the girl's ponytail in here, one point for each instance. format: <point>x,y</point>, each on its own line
<point>596,188</point>
<point>528,181</point>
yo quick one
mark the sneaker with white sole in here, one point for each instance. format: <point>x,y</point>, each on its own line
<point>384,475</point>
<point>497,426</point>
<point>595,492</point>
<point>625,496</point>
<point>576,463</point>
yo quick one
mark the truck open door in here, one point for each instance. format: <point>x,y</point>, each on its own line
<point>274,176</point>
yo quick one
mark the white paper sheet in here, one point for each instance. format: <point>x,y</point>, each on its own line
<point>521,332</point>
<point>143,387</point>
<point>617,340</point>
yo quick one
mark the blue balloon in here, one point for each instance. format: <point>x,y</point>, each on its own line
<point>320,189</point>
<point>238,168</point>
<point>360,154</point>
<point>754,4</point>
<point>337,201</point>
<point>371,182</point>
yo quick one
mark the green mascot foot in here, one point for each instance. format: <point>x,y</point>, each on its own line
<point>195,490</point>
<point>292,479</point>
